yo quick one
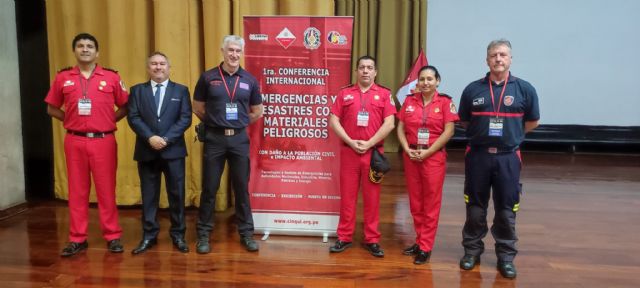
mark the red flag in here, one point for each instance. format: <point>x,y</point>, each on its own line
<point>412,78</point>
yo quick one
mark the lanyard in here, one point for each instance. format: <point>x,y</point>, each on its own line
<point>84,87</point>
<point>362,102</point>
<point>426,111</point>
<point>501,94</point>
<point>231,96</point>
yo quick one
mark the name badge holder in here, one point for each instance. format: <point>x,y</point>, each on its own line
<point>363,118</point>
<point>232,111</point>
<point>495,126</point>
<point>84,107</point>
<point>423,136</point>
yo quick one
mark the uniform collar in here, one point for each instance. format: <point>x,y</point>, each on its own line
<point>510,79</point>
<point>417,97</point>
<point>240,71</point>
<point>374,87</point>
<point>98,70</point>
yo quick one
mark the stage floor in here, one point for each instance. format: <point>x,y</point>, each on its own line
<point>579,225</point>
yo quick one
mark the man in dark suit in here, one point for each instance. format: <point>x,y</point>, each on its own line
<point>159,113</point>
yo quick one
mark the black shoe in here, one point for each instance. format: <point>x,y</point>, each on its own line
<point>249,243</point>
<point>115,246</point>
<point>507,269</point>
<point>73,248</point>
<point>422,257</point>
<point>181,245</point>
<point>469,261</point>
<point>339,246</point>
<point>202,246</point>
<point>412,250</point>
<point>374,249</point>
<point>144,245</point>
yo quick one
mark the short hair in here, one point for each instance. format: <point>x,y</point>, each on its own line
<point>498,42</point>
<point>432,68</point>
<point>232,39</point>
<point>154,53</point>
<point>84,36</point>
<point>366,57</point>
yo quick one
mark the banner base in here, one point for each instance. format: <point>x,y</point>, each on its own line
<point>294,232</point>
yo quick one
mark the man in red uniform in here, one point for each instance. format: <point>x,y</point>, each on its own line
<point>362,116</point>
<point>83,98</point>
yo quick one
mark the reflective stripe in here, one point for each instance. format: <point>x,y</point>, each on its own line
<point>516,207</point>
<point>466,198</point>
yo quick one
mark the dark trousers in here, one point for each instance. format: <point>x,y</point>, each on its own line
<point>484,172</point>
<point>219,148</point>
<point>150,173</point>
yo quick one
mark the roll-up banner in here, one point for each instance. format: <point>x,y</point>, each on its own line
<point>301,64</point>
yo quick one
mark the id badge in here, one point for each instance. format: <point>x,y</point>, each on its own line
<point>232,111</point>
<point>495,126</point>
<point>363,118</point>
<point>423,136</point>
<point>84,107</point>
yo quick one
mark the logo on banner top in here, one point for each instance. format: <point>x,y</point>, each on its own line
<point>285,38</point>
<point>312,38</point>
<point>335,38</point>
<point>258,37</point>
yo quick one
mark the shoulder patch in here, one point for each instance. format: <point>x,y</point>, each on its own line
<point>444,95</point>
<point>110,69</point>
<point>65,69</point>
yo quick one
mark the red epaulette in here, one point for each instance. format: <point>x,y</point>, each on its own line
<point>444,95</point>
<point>383,87</point>
<point>65,69</point>
<point>110,69</point>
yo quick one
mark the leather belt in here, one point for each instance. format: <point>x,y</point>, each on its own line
<point>418,147</point>
<point>493,149</point>
<point>225,131</point>
<point>90,134</point>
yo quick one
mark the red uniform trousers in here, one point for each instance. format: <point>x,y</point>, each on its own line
<point>424,182</point>
<point>354,172</point>
<point>87,158</point>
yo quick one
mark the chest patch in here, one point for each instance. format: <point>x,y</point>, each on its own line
<point>244,86</point>
<point>478,101</point>
<point>508,100</point>
<point>410,109</point>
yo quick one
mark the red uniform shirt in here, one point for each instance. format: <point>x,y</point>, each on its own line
<point>376,101</point>
<point>434,116</point>
<point>105,90</point>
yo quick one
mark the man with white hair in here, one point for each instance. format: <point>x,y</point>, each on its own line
<point>227,99</point>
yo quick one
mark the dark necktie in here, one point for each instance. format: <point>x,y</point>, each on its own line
<point>157,95</point>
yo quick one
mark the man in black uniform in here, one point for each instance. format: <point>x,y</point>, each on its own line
<point>159,113</point>
<point>497,111</point>
<point>227,99</point>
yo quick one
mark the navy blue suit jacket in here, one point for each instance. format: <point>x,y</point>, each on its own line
<point>174,119</point>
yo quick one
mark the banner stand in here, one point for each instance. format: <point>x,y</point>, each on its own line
<point>301,63</point>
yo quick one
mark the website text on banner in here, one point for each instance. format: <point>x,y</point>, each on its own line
<point>301,63</point>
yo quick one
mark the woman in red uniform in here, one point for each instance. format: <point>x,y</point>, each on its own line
<point>427,121</point>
